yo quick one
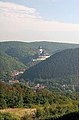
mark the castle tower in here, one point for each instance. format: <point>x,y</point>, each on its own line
<point>40,50</point>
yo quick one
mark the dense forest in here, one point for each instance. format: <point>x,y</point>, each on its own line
<point>48,104</point>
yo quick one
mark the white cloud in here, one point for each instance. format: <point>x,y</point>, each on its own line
<point>17,19</point>
<point>18,10</point>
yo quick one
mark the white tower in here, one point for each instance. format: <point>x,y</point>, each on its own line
<point>40,50</point>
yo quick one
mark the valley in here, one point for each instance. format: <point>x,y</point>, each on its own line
<point>44,79</point>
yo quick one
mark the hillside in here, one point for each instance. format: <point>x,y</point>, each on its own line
<point>8,64</point>
<point>24,52</point>
<point>60,65</point>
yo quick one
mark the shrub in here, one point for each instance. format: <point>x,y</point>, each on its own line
<point>8,116</point>
<point>27,117</point>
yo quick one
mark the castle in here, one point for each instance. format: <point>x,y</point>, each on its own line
<point>41,55</point>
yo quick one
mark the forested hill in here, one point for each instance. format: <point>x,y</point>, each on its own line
<point>32,46</point>
<point>24,52</point>
<point>61,64</point>
<point>8,64</point>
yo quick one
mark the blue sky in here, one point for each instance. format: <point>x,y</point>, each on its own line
<point>59,10</point>
<point>35,20</point>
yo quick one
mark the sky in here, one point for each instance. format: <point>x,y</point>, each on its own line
<point>39,20</point>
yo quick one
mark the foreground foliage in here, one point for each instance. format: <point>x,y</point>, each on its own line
<point>49,105</point>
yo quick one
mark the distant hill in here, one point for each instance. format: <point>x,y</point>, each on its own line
<point>60,65</point>
<point>19,50</point>
<point>24,52</point>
